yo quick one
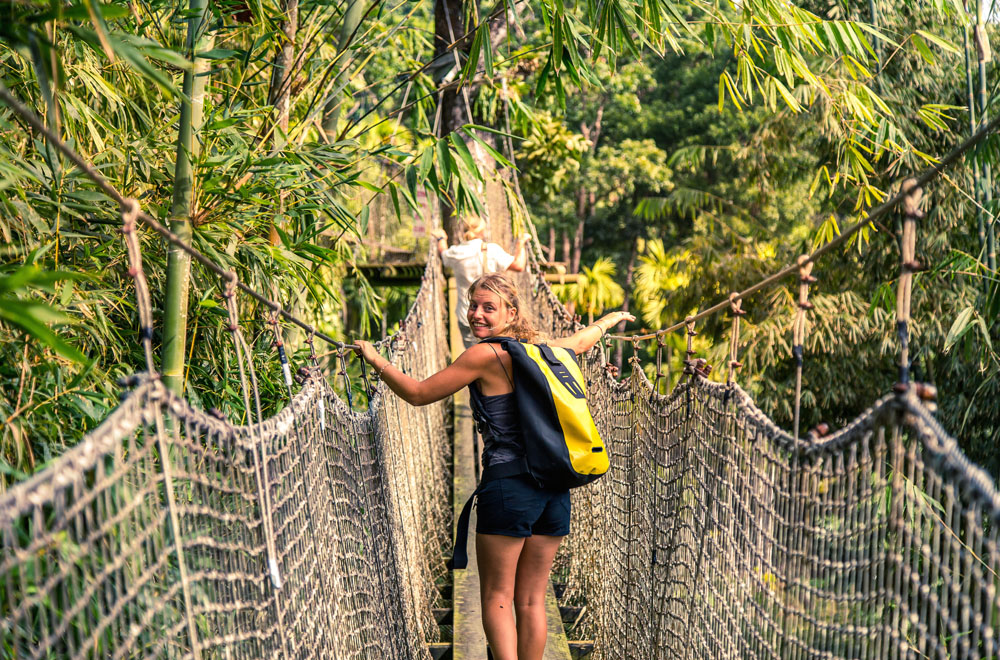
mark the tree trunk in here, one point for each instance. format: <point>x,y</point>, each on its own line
<point>182,207</point>
<point>280,93</point>
<point>448,26</point>
<point>552,243</point>
<point>574,266</point>
<point>585,198</point>
<point>331,111</point>
<point>626,304</point>
<point>565,247</point>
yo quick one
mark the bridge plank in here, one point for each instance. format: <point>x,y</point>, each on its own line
<point>469,637</point>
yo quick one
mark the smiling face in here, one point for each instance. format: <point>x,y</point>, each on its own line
<point>488,314</point>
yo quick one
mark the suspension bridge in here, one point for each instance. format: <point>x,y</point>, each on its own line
<point>320,532</point>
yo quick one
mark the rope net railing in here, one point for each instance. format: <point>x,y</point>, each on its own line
<point>168,533</point>
<point>718,535</point>
<point>319,532</point>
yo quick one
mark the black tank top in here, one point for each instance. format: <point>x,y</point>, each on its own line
<point>499,425</point>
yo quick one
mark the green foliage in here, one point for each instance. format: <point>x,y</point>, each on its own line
<point>619,151</point>
<point>594,291</point>
<point>763,178</point>
<point>550,157</point>
<point>34,317</point>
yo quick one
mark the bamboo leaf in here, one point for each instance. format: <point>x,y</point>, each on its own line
<point>786,95</point>
<point>939,42</point>
<point>958,328</point>
<point>497,156</point>
<point>465,155</point>
<point>32,317</point>
<point>100,27</point>
<point>922,48</point>
<point>469,70</point>
<point>426,163</point>
<point>444,162</point>
<point>218,54</point>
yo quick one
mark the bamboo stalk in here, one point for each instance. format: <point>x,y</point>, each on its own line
<point>986,173</point>
<point>971,94</point>
<point>182,206</point>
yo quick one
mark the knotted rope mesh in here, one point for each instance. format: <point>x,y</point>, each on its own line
<point>715,534</point>
<point>149,538</point>
<point>718,535</point>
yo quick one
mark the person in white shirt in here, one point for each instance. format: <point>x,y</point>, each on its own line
<point>472,258</point>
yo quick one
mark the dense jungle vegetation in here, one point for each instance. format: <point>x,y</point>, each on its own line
<point>670,152</point>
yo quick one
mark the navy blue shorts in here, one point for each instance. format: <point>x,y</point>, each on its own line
<point>516,506</point>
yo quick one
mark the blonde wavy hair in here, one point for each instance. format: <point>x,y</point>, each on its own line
<point>472,227</point>
<point>506,290</point>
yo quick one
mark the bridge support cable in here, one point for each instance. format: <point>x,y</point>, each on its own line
<point>717,534</point>
<point>919,181</point>
<point>316,533</point>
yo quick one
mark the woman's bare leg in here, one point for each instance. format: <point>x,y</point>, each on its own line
<point>497,557</point>
<point>531,584</point>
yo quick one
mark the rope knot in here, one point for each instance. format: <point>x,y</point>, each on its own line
<point>689,321</point>
<point>820,430</point>
<point>232,281</point>
<point>914,195</point>
<point>698,366</point>
<point>130,212</point>
<point>736,304</point>
<point>736,307</point>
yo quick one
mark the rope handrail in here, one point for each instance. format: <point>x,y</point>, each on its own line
<point>318,532</point>
<point>105,185</point>
<point>925,177</point>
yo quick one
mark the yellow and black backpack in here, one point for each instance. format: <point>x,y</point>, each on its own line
<point>562,445</point>
<point>563,448</point>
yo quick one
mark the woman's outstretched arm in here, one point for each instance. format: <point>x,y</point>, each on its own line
<point>469,366</point>
<point>520,254</point>
<point>584,339</point>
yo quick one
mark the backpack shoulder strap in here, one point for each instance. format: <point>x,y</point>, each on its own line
<point>497,355</point>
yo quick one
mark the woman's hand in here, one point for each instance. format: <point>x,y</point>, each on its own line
<point>609,321</point>
<point>366,351</point>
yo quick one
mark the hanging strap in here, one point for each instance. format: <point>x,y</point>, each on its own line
<point>460,555</point>
<point>510,378</point>
<point>736,307</point>
<point>908,266</point>
<point>799,332</point>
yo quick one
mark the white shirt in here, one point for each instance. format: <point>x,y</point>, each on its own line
<point>466,262</point>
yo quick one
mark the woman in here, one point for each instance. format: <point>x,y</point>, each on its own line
<point>514,550</point>
<point>474,257</point>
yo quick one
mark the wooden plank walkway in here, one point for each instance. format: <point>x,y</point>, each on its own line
<point>469,638</point>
